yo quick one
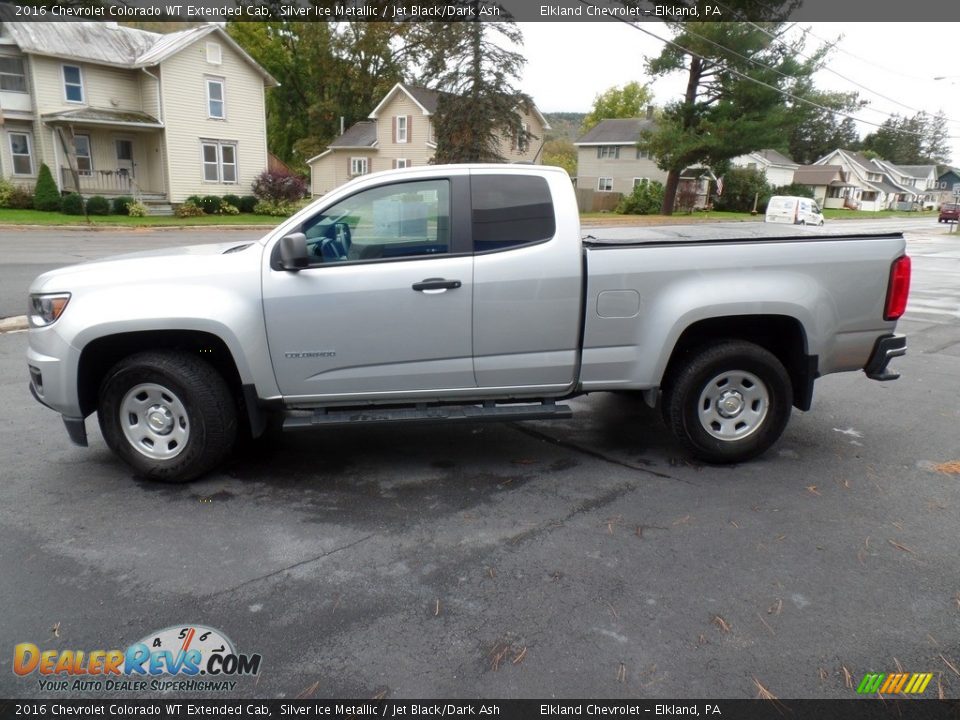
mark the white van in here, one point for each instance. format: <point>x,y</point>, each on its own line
<point>794,210</point>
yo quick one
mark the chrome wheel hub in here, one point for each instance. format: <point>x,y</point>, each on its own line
<point>733,405</point>
<point>154,421</point>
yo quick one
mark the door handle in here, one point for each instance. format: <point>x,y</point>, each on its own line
<point>436,284</point>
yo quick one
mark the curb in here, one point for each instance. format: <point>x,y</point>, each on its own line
<point>11,324</point>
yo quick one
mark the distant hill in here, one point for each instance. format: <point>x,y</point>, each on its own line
<point>566,125</point>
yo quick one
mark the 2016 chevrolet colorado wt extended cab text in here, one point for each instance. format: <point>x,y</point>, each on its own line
<point>456,293</point>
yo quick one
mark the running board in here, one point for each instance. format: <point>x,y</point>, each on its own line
<point>324,417</point>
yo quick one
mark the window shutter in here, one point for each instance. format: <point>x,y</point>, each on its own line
<point>394,129</point>
<point>349,167</point>
<point>409,128</point>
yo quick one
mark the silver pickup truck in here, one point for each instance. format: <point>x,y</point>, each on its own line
<point>457,293</point>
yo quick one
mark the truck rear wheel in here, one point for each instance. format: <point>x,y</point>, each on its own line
<point>168,414</point>
<point>729,402</point>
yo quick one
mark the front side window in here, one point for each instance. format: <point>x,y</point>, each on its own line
<point>608,151</point>
<point>81,145</point>
<point>12,76</point>
<point>392,221</point>
<point>509,211</point>
<point>72,83</point>
<point>605,184</point>
<point>21,149</point>
<point>216,108</point>
<point>219,161</point>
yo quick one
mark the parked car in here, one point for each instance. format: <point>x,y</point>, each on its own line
<point>949,212</point>
<point>457,293</point>
<point>792,209</point>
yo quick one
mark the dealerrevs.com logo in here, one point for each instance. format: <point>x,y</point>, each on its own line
<point>177,658</point>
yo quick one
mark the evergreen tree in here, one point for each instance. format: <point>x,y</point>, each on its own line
<point>479,104</point>
<point>46,196</point>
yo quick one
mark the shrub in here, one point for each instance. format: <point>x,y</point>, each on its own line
<point>273,207</point>
<point>6,188</point>
<point>195,199</point>
<point>46,196</point>
<point>794,190</point>
<point>137,209</point>
<point>646,199</point>
<point>232,200</point>
<point>210,204</point>
<point>71,204</point>
<point>189,209</point>
<point>279,186</point>
<point>121,205</point>
<point>740,187</point>
<point>228,209</point>
<point>21,198</point>
<point>98,205</point>
<point>247,203</point>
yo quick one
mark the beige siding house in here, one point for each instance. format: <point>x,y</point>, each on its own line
<point>131,112</point>
<point>399,133</point>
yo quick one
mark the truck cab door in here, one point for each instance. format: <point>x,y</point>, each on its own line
<point>382,309</point>
<point>527,281</point>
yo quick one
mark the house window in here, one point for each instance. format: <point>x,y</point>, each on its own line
<point>72,83</point>
<point>12,76</point>
<point>643,155</point>
<point>523,138</point>
<point>359,166</point>
<point>219,161</point>
<point>401,128</point>
<point>214,54</point>
<point>216,108</point>
<point>402,164</point>
<point>639,181</point>
<point>608,151</point>
<point>605,184</point>
<point>81,148</point>
<point>21,149</point>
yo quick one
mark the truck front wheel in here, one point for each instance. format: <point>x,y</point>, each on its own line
<point>168,414</point>
<point>729,402</point>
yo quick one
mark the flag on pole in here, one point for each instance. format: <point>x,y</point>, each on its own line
<point>719,186</point>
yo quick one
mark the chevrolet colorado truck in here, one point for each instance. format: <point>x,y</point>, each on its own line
<point>449,293</point>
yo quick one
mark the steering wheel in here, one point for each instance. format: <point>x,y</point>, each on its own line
<point>342,235</point>
<point>332,249</point>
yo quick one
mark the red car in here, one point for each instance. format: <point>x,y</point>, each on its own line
<point>949,212</point>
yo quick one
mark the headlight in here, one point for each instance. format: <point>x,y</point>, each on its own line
<point>46,309</point>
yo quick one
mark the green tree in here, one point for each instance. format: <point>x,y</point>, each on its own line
<point>628,101</point>
<point>562,153</point>
<point>46,196</point>
<point>479,104</point>
<point>918,140</point>
<point>741,188</point>
<point>819,130</point>
<point>326,71</point>
<point>733,103</point>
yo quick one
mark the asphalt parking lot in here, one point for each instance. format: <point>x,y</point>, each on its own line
<point>579,558</point>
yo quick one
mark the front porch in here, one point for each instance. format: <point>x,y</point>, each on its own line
<point>109,183</point>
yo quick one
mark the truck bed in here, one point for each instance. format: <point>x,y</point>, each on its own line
<point>719,233</point>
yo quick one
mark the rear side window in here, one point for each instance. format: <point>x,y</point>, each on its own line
<point>509,211</point>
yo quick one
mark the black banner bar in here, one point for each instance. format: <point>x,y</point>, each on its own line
<point>855,709</point>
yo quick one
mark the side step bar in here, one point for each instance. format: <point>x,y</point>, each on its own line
<point>325,417</point>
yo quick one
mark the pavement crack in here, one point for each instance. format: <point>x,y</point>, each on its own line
<point>592,453</point>
<point>321,556</point>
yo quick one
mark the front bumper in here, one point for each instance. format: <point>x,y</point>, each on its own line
<point>76,427</point>
<point>885,349</point>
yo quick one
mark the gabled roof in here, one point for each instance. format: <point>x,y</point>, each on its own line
<point>817,174</point>
<point>427,100</point>
<point>616,131</point>
<point>917,171</point>
<point>115,45</point>
<point>775,157</point>
<point>362,134</point>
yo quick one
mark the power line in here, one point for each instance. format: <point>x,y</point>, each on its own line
<point>785,93</point>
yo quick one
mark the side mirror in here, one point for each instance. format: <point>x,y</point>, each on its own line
<point>293,252</point>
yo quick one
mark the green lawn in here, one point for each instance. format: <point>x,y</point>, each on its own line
<point>680,218</point>
<point>840,214</point>
<point>39,217</point>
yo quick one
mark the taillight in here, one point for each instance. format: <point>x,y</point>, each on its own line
<point>898,289</point>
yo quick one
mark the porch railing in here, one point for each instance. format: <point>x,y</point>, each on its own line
<point>111,182</point>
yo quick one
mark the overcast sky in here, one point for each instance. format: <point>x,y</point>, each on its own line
<point>568,64</point>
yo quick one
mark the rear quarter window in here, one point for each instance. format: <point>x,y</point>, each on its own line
<point>510,211</point>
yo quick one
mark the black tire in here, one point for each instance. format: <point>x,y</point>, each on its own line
<point>693,396</point>
<point>177,389</point>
